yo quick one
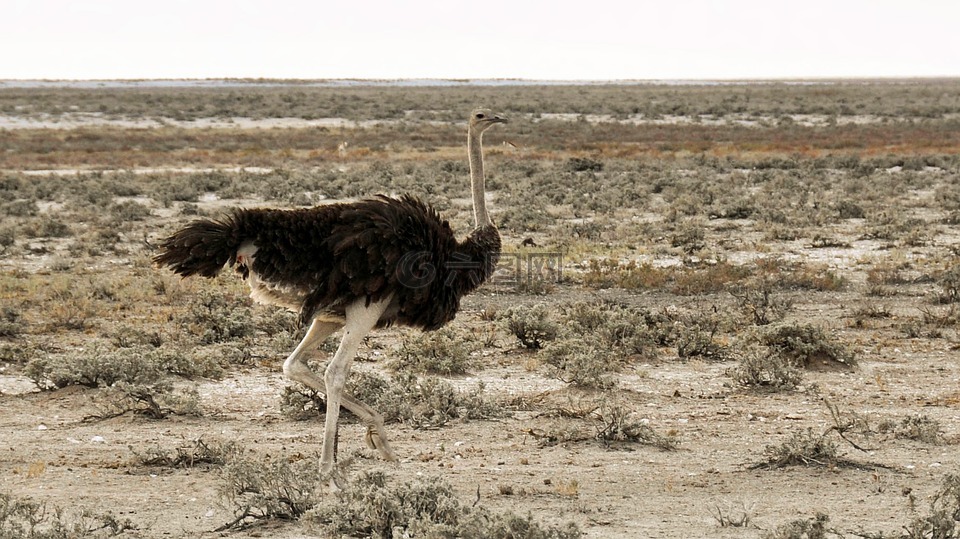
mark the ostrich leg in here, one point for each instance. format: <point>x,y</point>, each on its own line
<point>360,319</point>
<point>295,368</point>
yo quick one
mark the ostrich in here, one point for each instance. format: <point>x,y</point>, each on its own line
<point>352,266</point>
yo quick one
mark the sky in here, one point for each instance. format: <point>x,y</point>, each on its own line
<point>444,39</point>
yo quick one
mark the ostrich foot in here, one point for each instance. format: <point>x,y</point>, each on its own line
<point>377,439</point>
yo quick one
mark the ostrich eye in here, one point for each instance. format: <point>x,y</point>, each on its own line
<point>479,115</point>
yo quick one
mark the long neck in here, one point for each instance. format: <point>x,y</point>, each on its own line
<point>474,149</point>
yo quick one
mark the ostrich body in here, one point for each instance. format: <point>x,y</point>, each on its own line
<point>352,266</point>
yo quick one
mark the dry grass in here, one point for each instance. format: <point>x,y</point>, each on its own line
<point>684,247</point>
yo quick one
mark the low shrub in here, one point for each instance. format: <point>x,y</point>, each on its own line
<point>920,427</point>
<point>188,455</point>
<point>441,352</point>
<point>582,362</point>
<point>761,367</point>
<point>99,366</point>
<point>805,344</point>
<point>804,448</point>
<point>532,326</point>
<point>616,423</point>
<point>804,528</point>
<point>216,318</point>
<point>22,518</point>
<point>259,490</point>
<point>371,507</point>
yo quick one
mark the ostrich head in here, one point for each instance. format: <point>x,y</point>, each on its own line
<point>482,119</point>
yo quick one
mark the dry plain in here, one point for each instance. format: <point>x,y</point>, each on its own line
<point>723,311</point>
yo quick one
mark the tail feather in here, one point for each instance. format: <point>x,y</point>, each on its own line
<point>200,248</point>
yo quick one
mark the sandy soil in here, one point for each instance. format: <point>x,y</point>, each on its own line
<point>50,453</point>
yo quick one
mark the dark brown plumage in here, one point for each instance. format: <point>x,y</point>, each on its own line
<point>329,256</point>
<point>350,266</point>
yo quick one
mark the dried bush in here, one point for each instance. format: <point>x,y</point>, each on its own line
<point>804,528</point>
<point>623,329</point>
<point>532,326</point>
<point>371,507</point>
<point>154,401</point>
<point>441,352</point>
<point>708,278</point>
<point>96,366</point>
<point>761,367</point>
<point>72,307</point>
<point>943,520</point>
<point>47,227</point>
<point>804,448</point>
<point>920,427</point>
<point>760,304</point>
<point>804,344</point>
<point>22,518</point>
<point>607,273</point>
<point>421,402</point>
<point>215,317</point>
<point>689,237</point>
<point>582,362</point>
<point>430,402</point>
<point>814,278</point>
<point>616,423</point>
<point>188,455</point>
<point>733,517</point>
<point>261,489</point>
<point>949,282</point>
<point>301,403</point>
<point>129,211</point>
<point>99,366</point>
<point>583,164</point>
<point>8,237</point>
<point>697,335</point>
<point>10,321</point>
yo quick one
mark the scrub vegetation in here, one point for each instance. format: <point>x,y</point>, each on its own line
<point>711,297</point>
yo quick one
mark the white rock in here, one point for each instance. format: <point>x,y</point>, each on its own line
<point>98,439</point>
<point>41,427</point>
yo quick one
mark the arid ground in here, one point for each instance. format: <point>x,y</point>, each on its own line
<point>723,311</point>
